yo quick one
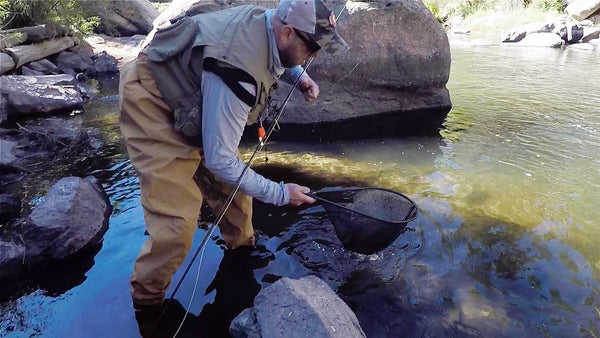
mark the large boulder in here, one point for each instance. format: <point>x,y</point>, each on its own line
<point>582,9</point>
<point>391,81</point>
<point>73,216</point>
<point>123,17</point>
<point>297,308</point>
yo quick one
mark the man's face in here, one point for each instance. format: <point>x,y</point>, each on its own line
<point>298,51</point>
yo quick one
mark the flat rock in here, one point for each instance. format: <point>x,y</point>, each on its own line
<point>30,95</point>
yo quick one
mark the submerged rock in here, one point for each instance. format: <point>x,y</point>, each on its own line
<point>72,217</point>
<point>297,308</point>
<point>11,260</point>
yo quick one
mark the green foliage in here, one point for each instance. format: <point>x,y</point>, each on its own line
<point>550,5</point>
<point>434,8</point>
<point>469,7</point>
<point>68,13</point>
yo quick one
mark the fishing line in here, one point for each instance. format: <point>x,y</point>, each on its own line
<point>262,142</point>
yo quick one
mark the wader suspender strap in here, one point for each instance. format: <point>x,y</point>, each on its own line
<point>232,78</point>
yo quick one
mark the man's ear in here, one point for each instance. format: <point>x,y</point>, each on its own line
<point>287,34</point>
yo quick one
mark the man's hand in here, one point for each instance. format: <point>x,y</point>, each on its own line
<point>297,194</point>
<point>308,87</point>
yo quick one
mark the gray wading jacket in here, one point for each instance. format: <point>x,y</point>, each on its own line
<point>235,38</point>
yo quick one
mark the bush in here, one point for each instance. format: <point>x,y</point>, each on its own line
<point>551,5</point>
<point>68,13</point>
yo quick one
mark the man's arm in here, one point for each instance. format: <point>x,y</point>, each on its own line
<point>224,116</point>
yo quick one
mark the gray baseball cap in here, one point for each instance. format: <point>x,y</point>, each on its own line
<point>315,19</point>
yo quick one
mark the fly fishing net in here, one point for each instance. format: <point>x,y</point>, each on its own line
<point>367,220</point>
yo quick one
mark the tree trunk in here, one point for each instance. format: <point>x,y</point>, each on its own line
<point>27,53</point>
<point>38,33</point>
<point>6,63</point>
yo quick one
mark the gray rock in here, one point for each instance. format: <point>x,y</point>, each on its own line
<point>300,308</point>
<point>539,40</point>
<point>104,64</point>
<point>29,95</point>
<point>45,66</point>
<point>73,216</point>
<point>595,42</point>
<point>123,17</point>
<point>590,33</point>
<point>79,63</point>
<point>11,260</point>
<point>7,152</point>
<point>30,72</point>
<point>520,32</point>
<point>245,325</point>
<point>582,9</point>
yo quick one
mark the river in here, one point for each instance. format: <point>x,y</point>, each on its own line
<point>506,242</point>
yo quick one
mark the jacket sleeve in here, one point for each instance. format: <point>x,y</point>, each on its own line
<point>224,116</point>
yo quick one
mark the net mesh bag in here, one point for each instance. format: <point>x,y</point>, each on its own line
<point>367,220</point>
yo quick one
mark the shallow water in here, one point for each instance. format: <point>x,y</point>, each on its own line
<point>506,242</point>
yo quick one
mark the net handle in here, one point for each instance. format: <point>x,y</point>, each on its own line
<point>324,200</point>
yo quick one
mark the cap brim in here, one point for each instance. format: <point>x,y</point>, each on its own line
<point>335,45</point>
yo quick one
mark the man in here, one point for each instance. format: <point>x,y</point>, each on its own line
<point>184,104</point>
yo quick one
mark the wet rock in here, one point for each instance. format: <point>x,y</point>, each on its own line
<point>582,9</point>
<point>30,95</point>
<point>11,260</point>
<point>123,17</point>
<point>294,308</point>
<point>7,152</point>
<point>69,62</point>
<point>539,40</point>
<point>30,72</point>
<point>103,64</point>
<point>10,206</point>
<point>51,134</point>
<point>73,216</point>
<point>44,66</point>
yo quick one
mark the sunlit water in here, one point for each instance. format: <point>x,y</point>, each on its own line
<point>506,242</point>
